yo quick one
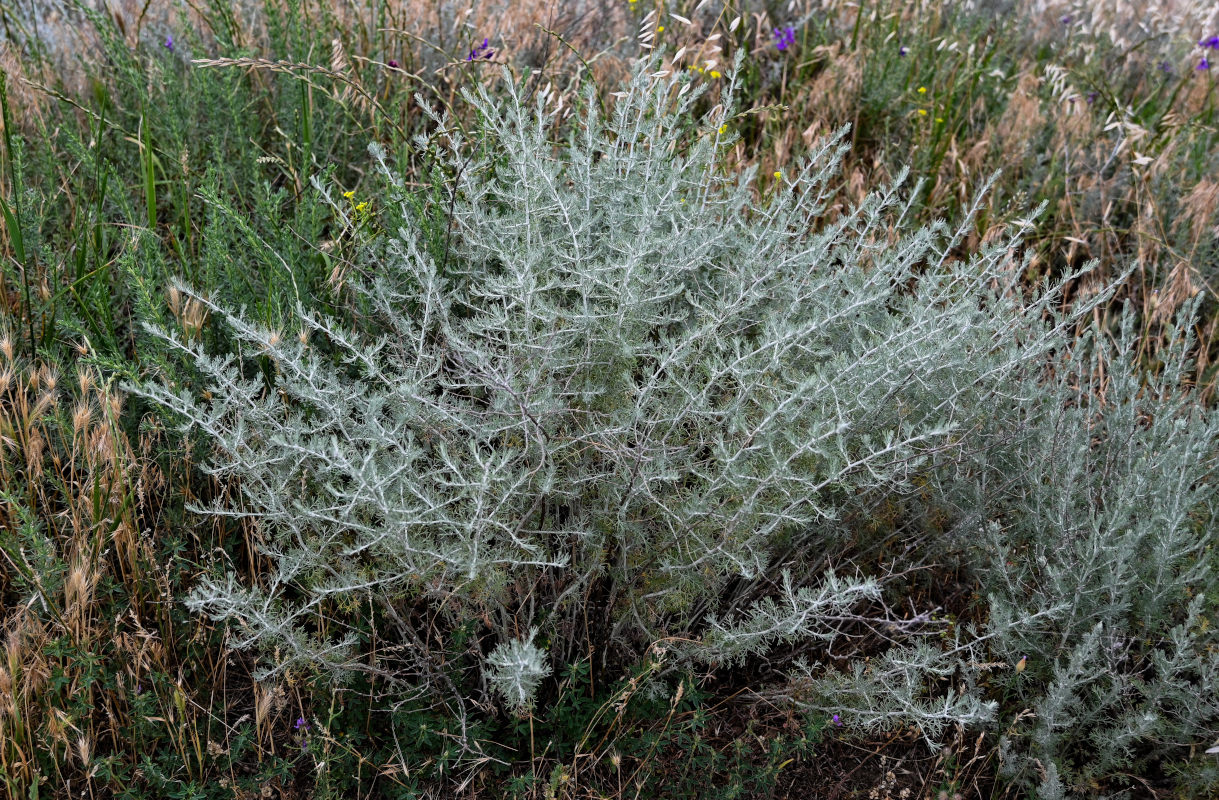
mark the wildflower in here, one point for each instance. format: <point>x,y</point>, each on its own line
<point>901,51</point>
<point>723,129</point>
<point>837,721</point>
<point>481,53</point>
<point>922,112</point>
<point>922,90</point>
<point>715,73</point>
<point>349,195</point>
<point>1203,64</point>
<point>393,64</point>
<point>778,174</point>
<point>784,38</point>
<point>1211,42</point>
<point>361,206</point>
<point>660,29</point>
<point>1066,19</point>
<point>169,43</point>
<point>939,119</point>
<point>1092,97</point>
<point>300,723</point>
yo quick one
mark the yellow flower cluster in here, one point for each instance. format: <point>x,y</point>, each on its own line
<point>360,209</point>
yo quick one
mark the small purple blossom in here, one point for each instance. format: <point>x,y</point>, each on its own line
<point>1211,42</point>
<point>169,43</point>
<point>901,51</point>
<point>1066,19</point>
<point>1092,97</point>
<point>837,721</point>
<point>300,723</point>
<point>1203,64</point>
<point>392,64</point>
<point>784,38</point>
<point>1166,67</point>
<point>481,53</point>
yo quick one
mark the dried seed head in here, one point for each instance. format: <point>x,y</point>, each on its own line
<point>6,347</point>
<point>49,378</point>
<point>263,698</point>
<point>12,649</point>
<point>194,315</point>
<point>81,416</point>
<point>6,692</point>
<point>77,589</point>
<point>174,298</point>
<point>45,403</point>
<point>55,726</point>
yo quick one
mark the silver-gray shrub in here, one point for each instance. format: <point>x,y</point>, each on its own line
<point>1094,505</point>
<point>613,398</point>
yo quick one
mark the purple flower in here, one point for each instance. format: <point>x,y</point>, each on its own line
<point>300,723</point>
<point>169,43</point>
<point>1203,64</point>
<point>784,38</point>
<point>1166,67</point>
<point>393,64</point>
<point>1210,42</point>
<point>481,53</point>
<point>837,721</point>
<point>901,51</point>
<point>1092,97</point>
<point>1066,19</point>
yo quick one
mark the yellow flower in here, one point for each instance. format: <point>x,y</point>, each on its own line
<point>361,206</point>
<point>723,129</point>
<point>922,90</point>
<point>779,174</point>
<point>661,29</point>
<point>922,112</point>
<point>714,74</point>
<point>939,119</point>
<point>349,195</point>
